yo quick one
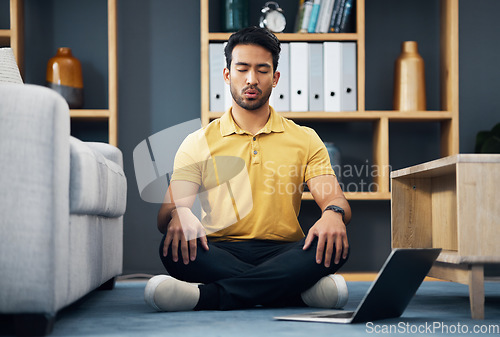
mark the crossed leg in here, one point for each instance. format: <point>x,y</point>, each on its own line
<point>244,274</point>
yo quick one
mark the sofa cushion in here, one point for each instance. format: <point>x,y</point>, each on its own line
<point>97,184</point>
<point>110,152</point>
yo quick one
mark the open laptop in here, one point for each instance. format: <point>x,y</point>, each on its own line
<point>397,282</point>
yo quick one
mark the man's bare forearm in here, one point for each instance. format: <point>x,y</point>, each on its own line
<point>342,202</point>
<point>179,194</point>
<point>326,191</point>
<point>164,216</point>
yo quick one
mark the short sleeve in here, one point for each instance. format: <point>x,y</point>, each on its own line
<point>187,165</point>
<point>318,161</point>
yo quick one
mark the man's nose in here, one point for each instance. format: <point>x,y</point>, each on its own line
<point>251,77</point>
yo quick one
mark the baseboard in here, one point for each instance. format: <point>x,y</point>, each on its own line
<point>370,277</point>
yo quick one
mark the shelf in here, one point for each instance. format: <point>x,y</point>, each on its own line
<point>454,257</point>
<point>381,120</point>
<point>357,196</point>
<point>4,33</point>
<point>109,115</point>
<point>14,37</point>
<point>402,116</point>
<point>444,166</point>
<point>371,276</point>
<point>89,114</point>
<point>447,116</point>
<point>4,37</point>
<point>292,37</point>
<point>415,116</point>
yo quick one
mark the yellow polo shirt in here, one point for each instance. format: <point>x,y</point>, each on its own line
<point>251,185</point>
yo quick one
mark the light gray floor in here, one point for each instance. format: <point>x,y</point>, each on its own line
<point>439,308</point>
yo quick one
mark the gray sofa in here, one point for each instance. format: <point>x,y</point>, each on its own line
<point>61,209</point>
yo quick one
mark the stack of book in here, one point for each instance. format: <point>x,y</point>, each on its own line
<point>324,16</point>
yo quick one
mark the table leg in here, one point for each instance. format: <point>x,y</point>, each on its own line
<point>476,290</point>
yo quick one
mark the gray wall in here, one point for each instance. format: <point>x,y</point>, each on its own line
<point>159,86</point>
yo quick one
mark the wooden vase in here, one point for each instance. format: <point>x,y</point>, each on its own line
<point>409,79</point>
<point>64,75</point>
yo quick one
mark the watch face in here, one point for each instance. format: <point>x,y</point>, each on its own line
<point>274,21</point>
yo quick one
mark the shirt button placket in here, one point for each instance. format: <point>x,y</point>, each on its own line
<point>255,151</point>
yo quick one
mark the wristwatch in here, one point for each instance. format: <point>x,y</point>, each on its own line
<point>336,209</point>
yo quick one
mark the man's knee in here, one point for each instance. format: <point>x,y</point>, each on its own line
<point>334,267</point>
<point>170,265</point>
<point>311,251</point>
<point>189,272</point>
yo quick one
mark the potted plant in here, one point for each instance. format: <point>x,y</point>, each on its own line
<point>488,141</point>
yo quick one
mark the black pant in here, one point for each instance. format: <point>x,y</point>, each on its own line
<point>238,275</point>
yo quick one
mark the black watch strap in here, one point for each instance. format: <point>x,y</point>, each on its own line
<point>336,209</point>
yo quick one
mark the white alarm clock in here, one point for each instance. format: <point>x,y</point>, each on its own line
<point>272,18</point>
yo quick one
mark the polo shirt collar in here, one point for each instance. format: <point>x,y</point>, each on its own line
<point>228,126</point>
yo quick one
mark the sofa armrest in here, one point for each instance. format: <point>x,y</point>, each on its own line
<point>108,151</point>
<point>34,198</point>
<point>98,185</point>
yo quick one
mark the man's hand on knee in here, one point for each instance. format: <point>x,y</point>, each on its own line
<point>331,233</point>
<point>183,231</point>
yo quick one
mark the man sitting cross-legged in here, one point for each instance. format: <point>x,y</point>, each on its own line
<point>248,168</point>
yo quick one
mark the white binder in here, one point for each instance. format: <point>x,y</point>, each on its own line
<point>316,101</point>
<point>349,87</point>
<point>280,97</point>
<point>299,76</point>
<point>272,100</point>
<point>217,84</point>
<point>228,98</point>
<point>333,75</point>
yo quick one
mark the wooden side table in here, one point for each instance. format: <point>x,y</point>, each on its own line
<point>451,203</point>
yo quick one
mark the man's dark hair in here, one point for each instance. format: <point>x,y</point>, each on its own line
<point>257,36</point>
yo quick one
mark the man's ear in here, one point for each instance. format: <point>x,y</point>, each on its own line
<point>276,78</point>
<point>227,76</point>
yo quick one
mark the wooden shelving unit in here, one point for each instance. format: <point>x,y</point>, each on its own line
<point>14,38</point>
<point>294,37</point>
<point>447,116</point>
<point>394,116</point>
<point>89,114</point>
<point>112,73</point>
